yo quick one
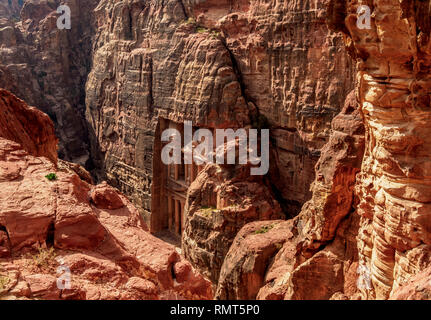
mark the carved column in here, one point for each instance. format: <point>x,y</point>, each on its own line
<point>170,213</point>
<point>177,217</point>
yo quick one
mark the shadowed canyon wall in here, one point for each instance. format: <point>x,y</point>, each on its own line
<point>219,64</point>
<point>365,234</point>
<point>354,185</point>
<point>48,67</point>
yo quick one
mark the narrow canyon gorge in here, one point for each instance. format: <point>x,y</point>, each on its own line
<point>341,214</point>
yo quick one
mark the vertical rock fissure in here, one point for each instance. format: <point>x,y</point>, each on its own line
<point>255,118</point>
<point>183,8</point>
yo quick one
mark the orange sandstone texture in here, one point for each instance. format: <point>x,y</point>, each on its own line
<point>393,60</point>
<point>220,64</point>
<point>314,255</point>
<point>365,234</point>
<point>27,126</point>
<point>93,230</point>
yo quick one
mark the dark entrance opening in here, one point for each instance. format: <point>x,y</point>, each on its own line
<point>50,235</point>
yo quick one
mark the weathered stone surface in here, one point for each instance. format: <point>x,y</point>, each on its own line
<point>29,127</point>
<point>75,168</point>
<point>254,248</point>
<point>417,287</point>
<point>106,197</point>
<point>296,73</point>
<point>115,234</point>
<point>105,245</point>
<point>320,258</point>
<point>47,67</point>
<point>393,60</point>
<point>329,273</point>
<point>219,65</point>
<point>150,64</point>
<point>219,203</point>
<point>333,188</point>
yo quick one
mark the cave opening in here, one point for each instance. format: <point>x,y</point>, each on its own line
<point>50,235</point>
<point>5,244</point>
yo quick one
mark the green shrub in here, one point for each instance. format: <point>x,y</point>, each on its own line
<point>201,30</point>
<point>208,211</point>
<point>45,258</point>
<point>4,281</point>
<point>51,177</point>
<point>264,229</point>
<point>190,21</point>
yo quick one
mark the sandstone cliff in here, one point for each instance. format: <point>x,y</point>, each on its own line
<point>64,222</point>
<point>270,63</point>
<point>362,231</point>
<point>314,255</point>
<point>393,59</point>
<point>48,67</point>
<point>365,232</point>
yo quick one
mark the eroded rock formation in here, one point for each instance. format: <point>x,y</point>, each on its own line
<point>363,231</point>
<point>219,203</point>
<point>27,126</point>
<point>317,258</point>
<point>94,231</point>
<point>48,67</point>
<point>258,63</point>
<point>393,61</point>
<point>372,243</point>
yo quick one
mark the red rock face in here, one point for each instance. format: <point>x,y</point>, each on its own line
<point>363,231</point>
<point>393,59</point>
<point>417,287</point>
<point>94,230</point>
<point>219,203</point>
<point>220,65</point>
<point>297,74</point>
<point>48,67</point>
<point>318,259</point>
<point>29,127</point>
<point>245,266</point>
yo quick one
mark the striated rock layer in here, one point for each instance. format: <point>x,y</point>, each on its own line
<point>365,234</point>
<point>313,256</point>
<point>48,67</point>
<point>258,63</point>
<point>49,226</point>
<point>294,71</point>
<point>393,60</point>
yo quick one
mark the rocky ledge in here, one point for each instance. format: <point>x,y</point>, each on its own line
<point>51,221</point>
